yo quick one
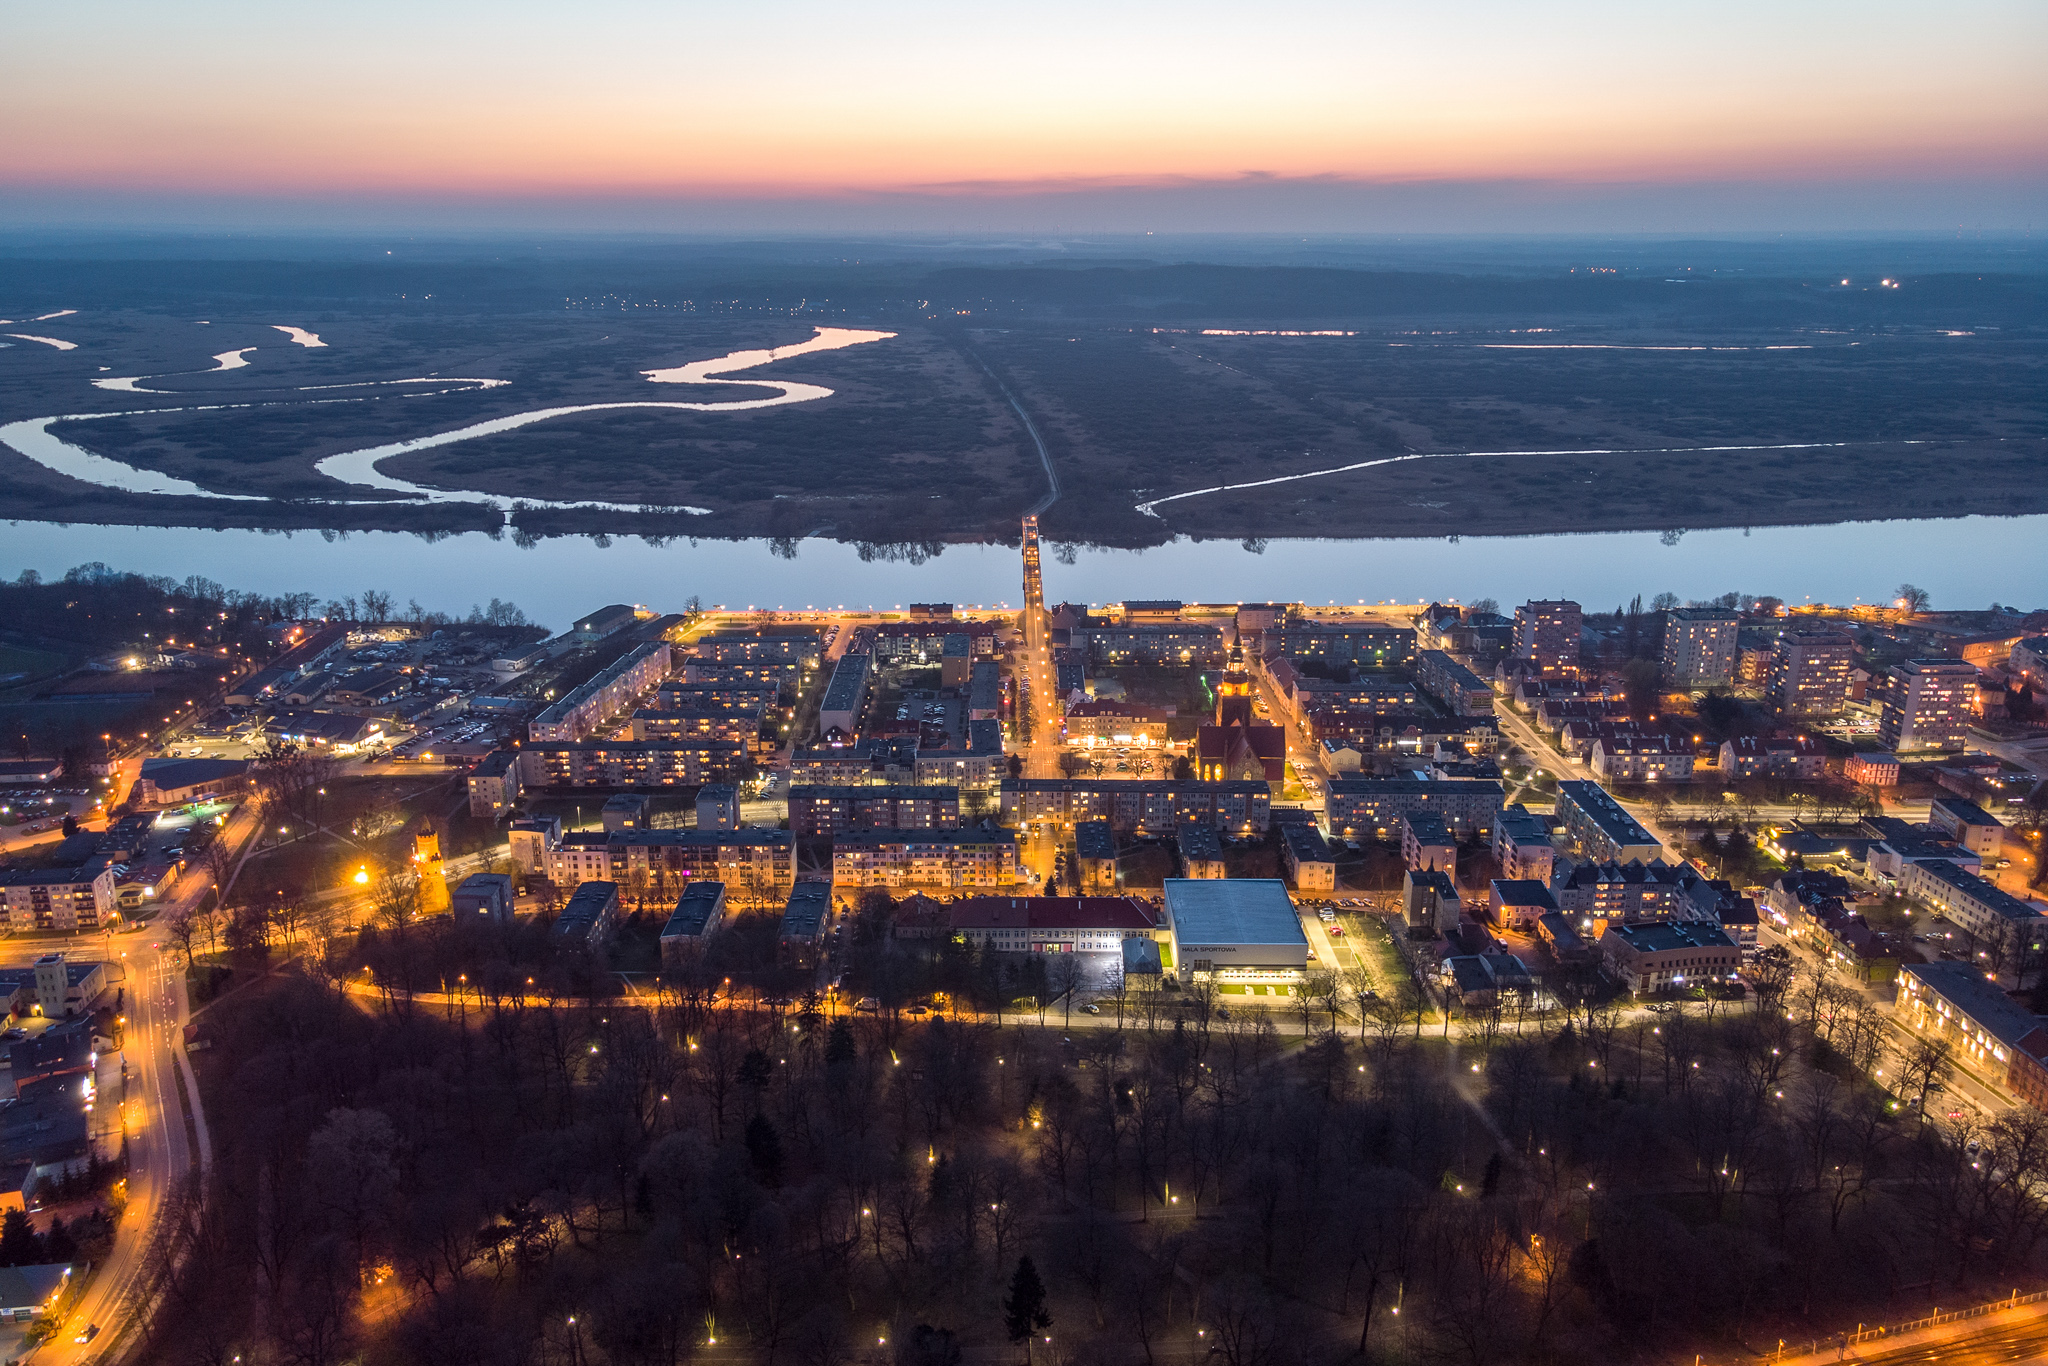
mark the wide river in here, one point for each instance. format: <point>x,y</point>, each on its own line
<point>1967,562</point>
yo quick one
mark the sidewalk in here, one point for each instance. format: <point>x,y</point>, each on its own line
<point>1882,1346</point>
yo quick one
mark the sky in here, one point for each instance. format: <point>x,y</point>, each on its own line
<point>1474,116</point>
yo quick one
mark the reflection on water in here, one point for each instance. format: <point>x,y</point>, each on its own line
<point>1962,562</point>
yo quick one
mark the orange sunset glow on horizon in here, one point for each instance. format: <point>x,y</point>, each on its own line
<point>808,100</point>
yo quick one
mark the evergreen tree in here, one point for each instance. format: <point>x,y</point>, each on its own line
<point>1024,1312</point>
<point>58,1243</point>
<point>19,1245</point>
<point>839,1044</point>
<point>764,1149</point>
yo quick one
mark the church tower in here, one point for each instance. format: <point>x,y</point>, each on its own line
<point>1234,692</point>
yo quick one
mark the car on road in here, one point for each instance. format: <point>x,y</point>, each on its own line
<point>1091,1009</point>
<point>88,1333</point>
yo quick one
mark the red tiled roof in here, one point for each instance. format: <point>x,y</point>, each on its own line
<point>1051,913</point>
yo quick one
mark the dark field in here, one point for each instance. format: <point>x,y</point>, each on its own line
<point>1566,399</point>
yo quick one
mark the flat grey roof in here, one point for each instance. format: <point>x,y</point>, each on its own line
<point>1233,911</point>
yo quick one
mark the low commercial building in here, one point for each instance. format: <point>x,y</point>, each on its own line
<point>1988,1029</point>
<point>805,915</point>
<point>494,785</point>
<point>1426,842</point>
<point>1053,924</point>
<point>979,856</point>
<point>1310,864</point>
<point>485,894</point>
<point>174,782</point>
<point>1979,907</point>
<point>28,1293</point>
<point>1481,979</point>
<point>1596,827</point>
<point>1518,903</point>
<point>1521,844</point>
<point>1969,824</point>
<point>1144,970</point>
<point>698,912</point>
<point>605,621</point>
<point>587,921</point>
<point>1648,958</point>
<point>1569,937</point>
<point>819,811</point>
<point>1371,808</point>
<point>1201,851</point>
<point>585,708</point>
<point>1235,930</point>
<point>1095,857</point>
<point>1141,806</point>
<point>1756,756</point>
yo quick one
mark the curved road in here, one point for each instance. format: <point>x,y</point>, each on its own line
<point>160,1149</point>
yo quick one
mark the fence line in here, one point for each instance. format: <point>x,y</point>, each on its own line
<point>1863,1335</point>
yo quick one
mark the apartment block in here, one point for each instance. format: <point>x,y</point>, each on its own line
<point>1647,958</point>
<point>57,898</point>
<point>1454,685</point>
<point>584,709</point>
<point>1095,857</point>
<point>630,763</point>
<point>1369,647</point>
<point>738,858</point>
<point>1596,827</point>
<point>1756,756</point>
<point>1969,825</point>
<point>1642,759</point>
<point>494,784</point>
<point>1547,634</point>
<point>1926,704</point>
<point>1976,905</point>
<point>980,856</point>
<point>816,811</point>
<point>1310,864</point>
<point>1200,850</point>
<point>1521,845</point>
<point>1426,842</point>
<point>1810,673</point>
<point>1700,645</point>
<point>1140,806</point>
<point>1372,808</point>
